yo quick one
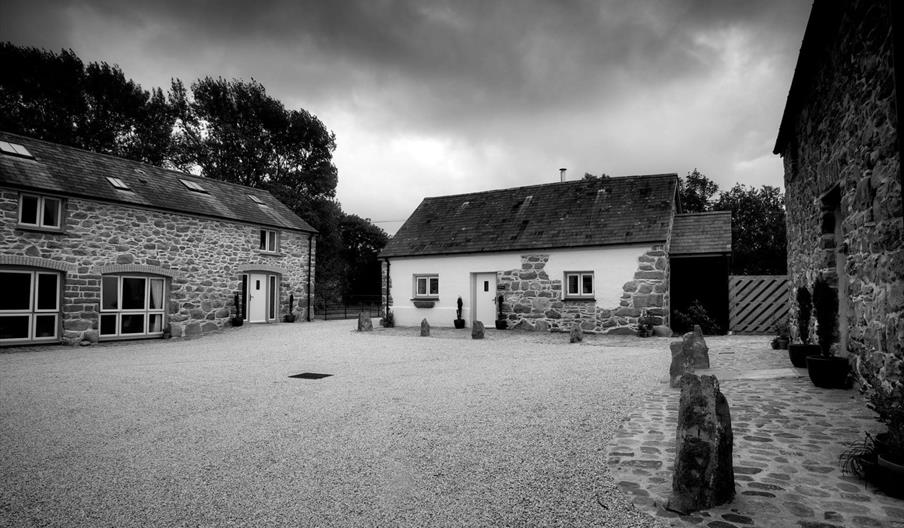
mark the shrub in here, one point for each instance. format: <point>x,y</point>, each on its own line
<point>388,321</point>
<point>804,310</point>
<point>695,314</point>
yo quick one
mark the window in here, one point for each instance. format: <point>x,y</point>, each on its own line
<point>118,184</point>
<point>269,241</point>
<point>194,186</point>
<point>426,285</point>
<point>131,306</point>
<point>14,149</point>
<point>579,284</point>
<point>40,211</point>
<point>255,199</point>
<point>29,306</point>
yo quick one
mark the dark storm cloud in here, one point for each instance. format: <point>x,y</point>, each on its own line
<point>447,60</point>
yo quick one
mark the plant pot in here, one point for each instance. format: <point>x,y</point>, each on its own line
<point>828,372</point>
<point>237,321</point>
<point>501,324</point>
<point>798,354</point>
<point>780,343</point>
<point>889,476</point>
<point>289,318</point>
<point>459,323</point>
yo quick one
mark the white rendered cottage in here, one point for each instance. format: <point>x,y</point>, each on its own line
<point>592,252</point>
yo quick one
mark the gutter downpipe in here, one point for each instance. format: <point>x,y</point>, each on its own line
<point>308,311</point>
<point>386,311</point>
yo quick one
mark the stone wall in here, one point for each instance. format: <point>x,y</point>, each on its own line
<point>534,301</point>
<point>844,143</point>
<point>202,257</point>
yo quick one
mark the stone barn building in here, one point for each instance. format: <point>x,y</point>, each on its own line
<point>96,246</point>
<point>841,150</point>
<point>592,252</point>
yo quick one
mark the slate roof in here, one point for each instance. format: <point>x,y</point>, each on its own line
<point>582,213</point>
<point>701,233</point>
<point>74,172</point>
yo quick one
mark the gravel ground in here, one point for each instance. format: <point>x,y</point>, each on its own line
<point>410,431</point>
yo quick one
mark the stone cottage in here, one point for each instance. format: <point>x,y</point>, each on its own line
<point>98,246</point>
<point>592,252</point>
<point>842,161</point>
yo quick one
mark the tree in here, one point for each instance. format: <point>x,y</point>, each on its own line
<point>696,192</point>
<point>362,241</point>
<point>759,241</point>
<point>57,98</point>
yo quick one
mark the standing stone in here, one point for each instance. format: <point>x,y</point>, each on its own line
<point>577,334</point>
<point>704,474</point>
<point>477,330</point>
<point>425,328</point>
<point>688,354</point>
<point>364,323</point>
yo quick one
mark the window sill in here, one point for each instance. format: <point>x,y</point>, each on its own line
<point>588,299</point>
<point>39,229</point>
<point>270,253</point>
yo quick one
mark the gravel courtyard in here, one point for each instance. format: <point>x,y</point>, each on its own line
<point>409,431</point>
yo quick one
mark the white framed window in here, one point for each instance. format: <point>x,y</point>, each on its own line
<point>426,285</point>
<point>40,211</point>
<point>269,240</point>
<point>132,306</point>
<point>255,199</point>
<point>29,306</point>
<point>578,284</point>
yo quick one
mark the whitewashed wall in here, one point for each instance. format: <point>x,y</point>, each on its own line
<point>612,267</point>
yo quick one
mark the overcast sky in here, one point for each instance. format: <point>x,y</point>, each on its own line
<point>431,98</point>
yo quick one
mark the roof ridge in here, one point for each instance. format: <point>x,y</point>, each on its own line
<point>137,162</point>
<point>571,182</point>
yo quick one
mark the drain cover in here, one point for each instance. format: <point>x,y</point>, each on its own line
<point>310,375</point>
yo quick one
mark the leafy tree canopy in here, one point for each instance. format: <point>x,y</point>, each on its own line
<point>229,130</point>
<point>759,240</point>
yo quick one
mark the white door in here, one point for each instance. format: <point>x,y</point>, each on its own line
<point>257,298</point>
<point>484,305</point>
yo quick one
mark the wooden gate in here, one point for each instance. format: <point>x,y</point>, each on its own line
<point>757,302</point>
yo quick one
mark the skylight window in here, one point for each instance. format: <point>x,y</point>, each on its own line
<point>194,186</point>
<point>118,184</point>
<point>255,199</point>
<point>15,149</point>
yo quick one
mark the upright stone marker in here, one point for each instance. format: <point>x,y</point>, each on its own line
<point>425,328</point>
<point>477,330</point>
<point>364,323</point>
<point>577,334</point>
<point>688,354</point>
<point>704,474</point>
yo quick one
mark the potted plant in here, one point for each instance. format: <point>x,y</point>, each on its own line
<point>782,335</point>
<point>237,320</point>
<point>501,323</point>
<point>826,370</point>
<point>290,317</point>
<point>798,352</point>
<point>388,320</point>
<point>458,322</point>
<point>882,383</point>
<point>645,324</point>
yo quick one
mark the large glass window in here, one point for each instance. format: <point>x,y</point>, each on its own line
<point>132,306</point>
<point>29,305</point>
<point>40,211</point>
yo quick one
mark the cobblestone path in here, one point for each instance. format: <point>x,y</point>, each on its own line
<point>788,435</point>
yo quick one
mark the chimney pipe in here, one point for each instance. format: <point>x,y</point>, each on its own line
<point>562,174</point>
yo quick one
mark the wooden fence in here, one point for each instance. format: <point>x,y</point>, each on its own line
<point>757,302</point>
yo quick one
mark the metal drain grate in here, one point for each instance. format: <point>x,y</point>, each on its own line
<point>310,375</point>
